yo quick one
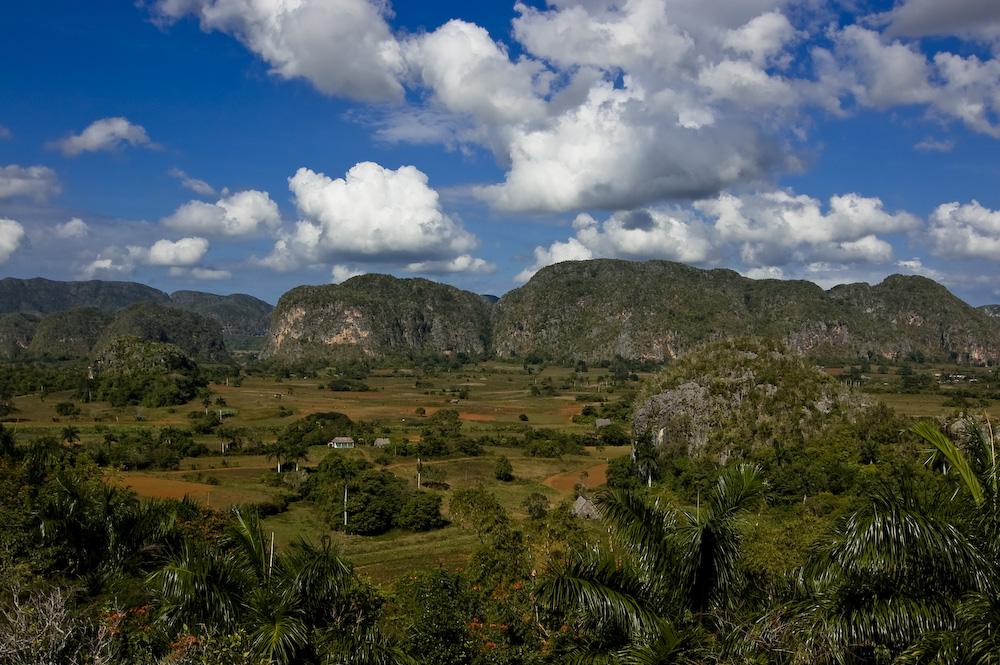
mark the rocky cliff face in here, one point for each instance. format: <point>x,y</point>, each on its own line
<point>593,310</point>
<point>378,316</point>
<point>992,311</point>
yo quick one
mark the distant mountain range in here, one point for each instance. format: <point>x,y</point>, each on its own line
<point>70,319</point>
<point>595,310</point>
<point>585,310</point>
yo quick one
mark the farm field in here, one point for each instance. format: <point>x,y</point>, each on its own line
<point>492,400</point>
<point>496,400</point>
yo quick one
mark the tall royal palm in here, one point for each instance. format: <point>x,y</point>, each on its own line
<point>647,600</point>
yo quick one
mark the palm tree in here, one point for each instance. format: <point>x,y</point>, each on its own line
<point>286,602</point>
<point>277,451</point>
<point>70,434</point>
<point>914,578</point>
<point>298,452</point>
<point>670,572</point>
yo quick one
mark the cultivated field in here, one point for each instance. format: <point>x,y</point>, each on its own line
<point>491,399</point>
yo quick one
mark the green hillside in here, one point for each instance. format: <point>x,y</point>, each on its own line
<point>378,316</point>
<point>594,310</point>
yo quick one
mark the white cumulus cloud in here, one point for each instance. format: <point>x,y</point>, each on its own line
<point>557,252</point>
<point>36,182</point>
<point>238,214</point>
<point>11,235</point>
<point>463,263</point>
<point>373,213</point>
<point>183,252</point>
<point>339,273</point>
<point>469,73</point>
<point>761,233</point>
<point>884,74</point>
<point>343,47</point>
<point>977,19</point>
<point>104,134</point>
<point>965,231</point>
<point>622,104</point>
<point>74,229</point>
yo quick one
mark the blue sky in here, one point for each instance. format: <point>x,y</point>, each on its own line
<point>249,146</point>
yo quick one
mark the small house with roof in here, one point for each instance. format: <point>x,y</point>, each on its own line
<point>585,508</point>
<point>341,442</point>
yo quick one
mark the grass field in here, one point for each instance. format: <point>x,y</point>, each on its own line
<point>495,399</point>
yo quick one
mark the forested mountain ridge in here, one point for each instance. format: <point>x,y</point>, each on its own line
<point>378,316</point>
<point>44,296</point>
<point>61,319</point>
<point>582,310</point>
<point>80,332</point>
<point>238,314</point>
<point>593,310</point>
<point>993,311</point>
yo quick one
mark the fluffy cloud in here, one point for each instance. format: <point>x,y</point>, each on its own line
<point>774,228</point>
<point>194,184</point>
<point>463,263</point>
<point>965,231</point>
<point>234,215</point>
<point>621,148</point>
<point>373,213</point>
<point>74,229</point>
<point>340,273</point>
<point>36,182</point>
<point>104,134</point>
<point>557,252</point>
<point>471,74</point>
<point>183,252</point>
<point>343,47</point>
<point>11,235</point>
<point>883,75</point>
<point>619,105</point>
<point>977,19</point>
<point>761,232</point>
<point>105,265</point>
<point>4,133</point>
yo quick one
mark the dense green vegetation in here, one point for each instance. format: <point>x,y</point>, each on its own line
<point>132,371</point>
<point>592,310</point>
<point>380,316</point>
<point>756,509</point>
<point>53,320</point>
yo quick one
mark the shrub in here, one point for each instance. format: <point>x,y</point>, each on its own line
<point>504,470</point>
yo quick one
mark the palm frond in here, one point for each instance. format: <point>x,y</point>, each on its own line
<point>898,539</point>
<point>738,489</point>
<point>365,648</point>
<point>279,630</point>
<point>245,538</point>
<point>606,590</point>
<point>198,590</point>
<point>645,529</point>
<point>955,457</point>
